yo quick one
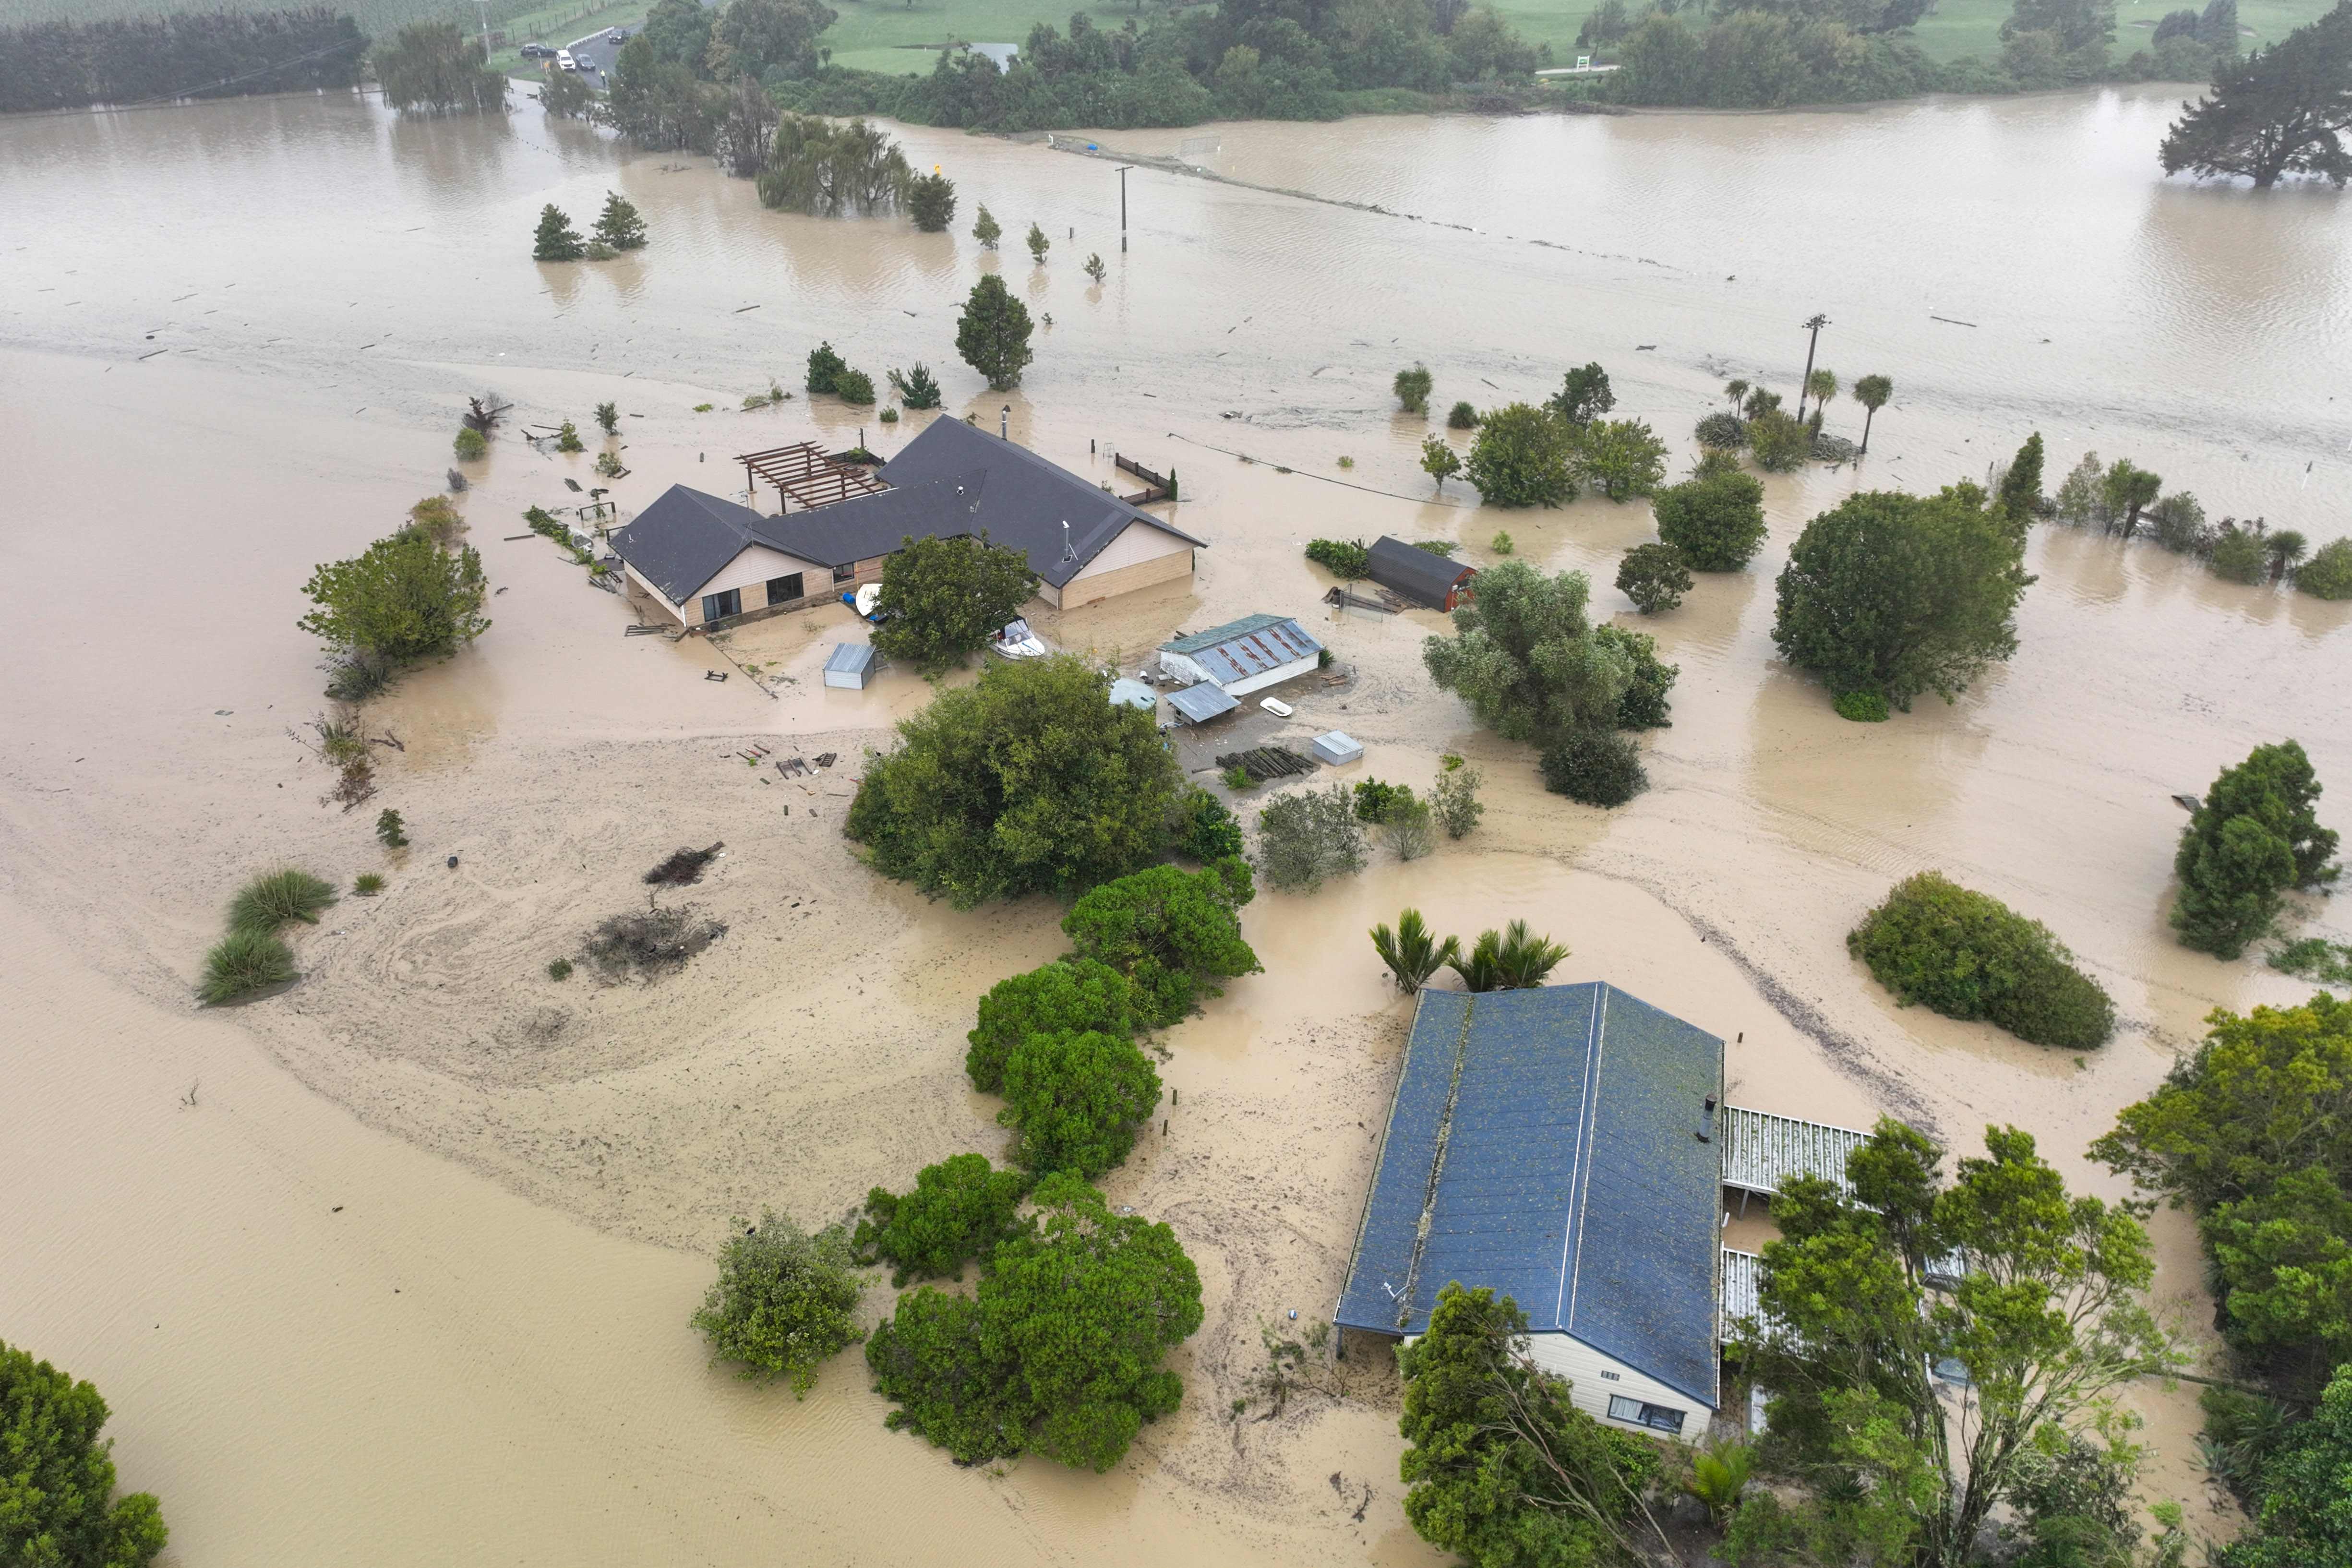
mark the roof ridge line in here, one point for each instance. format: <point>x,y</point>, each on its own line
<point>1437,1163</point>
<point>1571,1239</point>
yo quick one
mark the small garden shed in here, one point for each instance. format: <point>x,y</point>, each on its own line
<point>853,665</point>
<point>1425,577</point>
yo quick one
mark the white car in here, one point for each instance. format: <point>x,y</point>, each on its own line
<point>565,62</point>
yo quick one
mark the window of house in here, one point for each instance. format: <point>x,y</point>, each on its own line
<point>1658,1418</point>
<point>784,590</point>
<point>719,606</point>
<point>845,573</point>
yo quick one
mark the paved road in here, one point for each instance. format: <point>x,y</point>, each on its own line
<point>596,53</point>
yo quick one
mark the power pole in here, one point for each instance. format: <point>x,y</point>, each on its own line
<point>1123,168</point>
<point>1815,326</point>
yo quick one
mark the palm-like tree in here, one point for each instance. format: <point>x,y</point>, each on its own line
<point>1821,386</point>
<point>2286,548</point>
<point>2130,487</point>
<point>1735,390</point>
<point>1871,393</point>
<point>1510,960</point>
<point>1412,953</point>
<point>1759,400</point>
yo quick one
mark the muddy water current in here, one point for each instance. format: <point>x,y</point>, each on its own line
<point>397,1266</point>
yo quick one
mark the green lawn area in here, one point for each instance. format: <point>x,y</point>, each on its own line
<point>871,33</point>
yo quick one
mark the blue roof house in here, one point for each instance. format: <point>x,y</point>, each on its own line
<point>1558,1144</point>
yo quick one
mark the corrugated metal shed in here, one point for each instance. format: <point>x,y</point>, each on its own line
<point>1250,646</point>
<point>1200,704</point>
<point>1546,1143</point>
<point>852,665</point>
<point>1338,746</point>
<point>1422,576</point>
<point>1760,1151</point>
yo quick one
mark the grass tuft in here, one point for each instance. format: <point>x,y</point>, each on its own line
<point>242,963</point>
<point>368,883</point>
<point>274,898</point>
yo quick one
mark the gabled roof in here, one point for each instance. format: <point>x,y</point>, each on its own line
<point>951,479</point>
<point>1419,574</point>
<point>685,538</point>
<point>1202,702</point>
<point>1250,647</point>
<point>1546,1143</point>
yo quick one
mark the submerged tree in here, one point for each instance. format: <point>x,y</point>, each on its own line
<point>1524,657</point>
<point>1521,457</point>
<point>1654,577</point>
<point>993,333</point>
<point>986,229</point>
<point>57,1507</point>
<point>931,201</point>
<point>556,239</point>
<point>1871,393</point>
<point>942,598</point>
<point>1439,461</point>
<point>405,596</point>
<point>1583,397</point>
<point>1038,243</point>
<point>2255,834</point>
<point>917,388</point>
<point>818,166</point>
<point>785,1302</point>
<point>2020,498</point>
<point>1174,934</point>
<point>619,224</point>
<point>2284,110</point>
<point>433,68</point>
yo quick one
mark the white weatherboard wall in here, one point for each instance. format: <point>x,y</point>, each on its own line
<point>1136,543</point>
<point>1185,668</point>
<point>755,564</point>
<point>659,597</point>
<point>1594,1376</point>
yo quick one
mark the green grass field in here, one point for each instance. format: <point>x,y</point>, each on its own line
<point>874,34</point>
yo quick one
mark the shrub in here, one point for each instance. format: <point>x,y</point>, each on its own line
<point>470,444</point>
<point>1349,559</point>
<point>1863,708</point>
<point>1059,1347</point>
<point>1970,956</point>
<point>1206,831</point>
<point>652,942</point>
<point>854,387</point>
<point>1521,457</point>
<point>1375,800</point>
<point>608,465</point>
<point>1069,995</point>
<point>1717,522</point>
<point>917,387</point>
<point>1453,797</point>
<point>1501,543</point>
<point>1308,835</point>
<point>1412,387</point>
<point>683,868</point>
<point>1462,416</point>
<point>275,898</point>
<point>1236,778</point>
<point>2178,523</point>
<point>931,201</point>
<point>57,1507</point>
<point>368,883</point>
<point>785,1302</point>
<point>1619,457</point>
<point>1779,443</point>
<point>608,418</point>
<point>403,598</point>
<point>1721,432</point>
<point>1410,832</point>
<point>559,968</point>
<point>2240,554</point>
<point>1172,933</point>
<point>824,367</point>
<point>959,1210</point>
<point>2314,958</point>
<point>2255,834</point>
<point>1643,704</point>
<point>1598,767</point>
<point>1412,952</point>
<point>889,416</point>
<point>2329,573</point>
<point>1075,1099</point>
<point>1654,577</point>
<point>245,961</point>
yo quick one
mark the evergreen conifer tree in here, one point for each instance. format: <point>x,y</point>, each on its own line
<point>556,240</point>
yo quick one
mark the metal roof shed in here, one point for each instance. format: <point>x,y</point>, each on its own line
<point>1198,704</point>
<point>1554,1144</point>
<point>1242,656</point>
<point>1428,579</point>
<point>852,665</point>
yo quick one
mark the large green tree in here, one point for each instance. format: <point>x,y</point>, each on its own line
<point>785,1302</point>
<point>678,32</point>
<point>993,333</point>
<point>57,1507</point>
<point>1172,933</point>
<point>1901,594</point>
<point>2255,834</point>
<point>2284,110</point>
<point>1524,657</point>
<point>1620,458</point>
<point>1583,397</point>
<point>1075,1099</point>
<point>943,597</point>
<point>1059,1349</point>
<point>2253,1134</point>
<point>431,67</point>
<point>1716,520</point>
<point>1030,780</point>
<point>2303,1498</point>
<point>1521,457</point>
<point>1500,1468</point>
<point>402,598</point>
<point>959,1210</point>
<point>760,37</point>
<point>1066,994</point>
<point>2020,499</point>
<point>2048,1320</point>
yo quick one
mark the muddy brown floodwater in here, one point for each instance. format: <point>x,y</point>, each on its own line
<point>397,1266</point>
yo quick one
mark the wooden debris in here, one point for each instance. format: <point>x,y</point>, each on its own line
<point>827,759</point>
<point>1268,762</point>
<point>714,674</point>
<point>1340,596</point>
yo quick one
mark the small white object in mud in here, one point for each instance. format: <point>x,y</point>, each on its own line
<point>1276,707</point>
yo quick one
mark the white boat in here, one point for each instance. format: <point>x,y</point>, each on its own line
<point>1015,641</point>
<point>1276,707</point>
<point>868,595</point>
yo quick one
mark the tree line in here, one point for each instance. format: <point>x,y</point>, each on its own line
<point>182,54</point>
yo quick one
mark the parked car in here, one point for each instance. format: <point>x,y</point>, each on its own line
<point>565,62</point>
<point>537,52</point>
<point>616,34</point>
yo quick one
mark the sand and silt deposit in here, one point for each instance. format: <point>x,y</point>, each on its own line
<point>409,1280</point>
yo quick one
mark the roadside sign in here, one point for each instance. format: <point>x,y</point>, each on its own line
<point>1584,62</point>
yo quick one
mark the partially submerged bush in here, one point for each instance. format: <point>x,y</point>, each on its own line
<point>1375,799</point>
<point>1206,831</point>
<point>959,1210</point>
<point>1654,577</point>
<point>652,942</point>
<point>1308,835</point>
<point>2240,554</point>
<point>1412,387</point>
<point>1716,521</point>
<point>1462,416</point>
<point>785,1302</point>
<point>243,961</point>
<point>471,444</point>
<point>1779,443</point>
<point>2329,573</point>
<point>1863,708</point>
<point>854,387</point>
<point>1347,559</point>
<point>824,367</point>
<point>1078,993</point>
<point>1410,831</point>
<point>1597,767</point>
<point>1075,1099</point>
<point>1453,798</point>
<point>275,898</point>
<point>1967,955</point>
<point>1721,432</point>
<point>1172,933</point>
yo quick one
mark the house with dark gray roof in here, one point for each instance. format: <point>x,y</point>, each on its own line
<point>1558,1146</point>
<point>707,560</point>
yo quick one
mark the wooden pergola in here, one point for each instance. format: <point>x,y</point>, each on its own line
<point>804,472</point>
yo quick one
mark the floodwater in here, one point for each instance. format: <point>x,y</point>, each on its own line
<point>409,1278</point>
